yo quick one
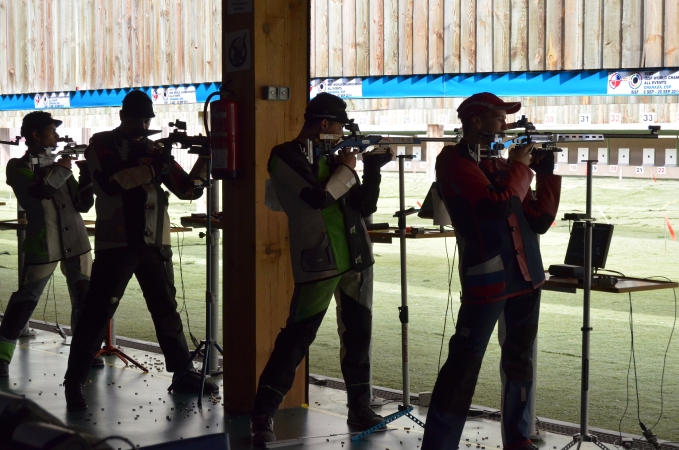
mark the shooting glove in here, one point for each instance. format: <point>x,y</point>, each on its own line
<point>373,162</point>
<point>545,165</point>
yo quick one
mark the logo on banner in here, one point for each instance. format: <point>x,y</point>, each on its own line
<point>615,80</point>
<point>635,80</point>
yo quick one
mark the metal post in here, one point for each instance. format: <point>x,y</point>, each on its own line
<point>403,314</point>
<point>214,282</point>
<point>586,328</point>
<point>209,293</point>
<point>21,237</point>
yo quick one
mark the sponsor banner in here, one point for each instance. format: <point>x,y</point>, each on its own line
<point>644,82</point>
<point>49,100</point>
<point>341,87</point>
<point>173,95</point>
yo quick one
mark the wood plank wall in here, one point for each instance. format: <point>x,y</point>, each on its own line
<point>55,45</point>
<point>403,37</point>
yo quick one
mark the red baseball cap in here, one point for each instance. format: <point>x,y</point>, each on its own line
<point>477,104</point>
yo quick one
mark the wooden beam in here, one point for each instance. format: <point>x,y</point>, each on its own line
<point>536,35</point>
<point>519,35</point>
<point>348,38</point>
<point>653,33</point>
<point>593,39</point>
<point>612,18</point>
<point>321,36</point>
<point>376,37</point>
<point>573,34</point>
<point>468,36</point>
<point>501,35</point>
<point>391,37</point>
<point>257,276</point>
<point>362,38</point>
<point>451,36</point>
<point>632,35</point>
<point>312,39</point>
<point>435,49</point>
<point>671,49</point>
<point>554,11</point>
<point>484,36</point>
<point>405,33</point>
<point>335,37</point>
<point>420,36</point>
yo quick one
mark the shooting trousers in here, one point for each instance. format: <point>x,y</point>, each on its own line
<point>152,266</point>
<point>456,382</point>
<point>353,293</point>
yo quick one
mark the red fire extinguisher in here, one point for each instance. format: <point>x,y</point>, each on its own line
<point>224,138</point>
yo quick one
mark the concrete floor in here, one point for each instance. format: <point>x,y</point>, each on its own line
<point>127,402</point>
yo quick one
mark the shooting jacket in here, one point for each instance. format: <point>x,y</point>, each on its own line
<point>131,204</point>
<point>497,219</point>
<point>325,204</point>
<point>53,201</point>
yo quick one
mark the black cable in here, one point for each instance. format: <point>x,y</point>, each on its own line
<point>634,356</point>
<point>109,438</point>
<point>624,413</point>
<point>180,252</point>
<point>449,301</point>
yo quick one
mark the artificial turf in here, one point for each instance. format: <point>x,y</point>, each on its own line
<point>641,247</point>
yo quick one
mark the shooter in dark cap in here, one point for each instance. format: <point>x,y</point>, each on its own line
<point>497,219</point>
<point>133,238</point>
<point>330,250</point>
<point>55,232</point>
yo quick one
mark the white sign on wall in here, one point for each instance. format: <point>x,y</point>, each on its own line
<point>173,95</point>
<point>615,118</point>
<point>550,119</point>
<point>49,100</point>
<point>238,6</point>
<point>341,87</point>
<point>647,117</point>
<point>585,119</point>
<point>645,82</point>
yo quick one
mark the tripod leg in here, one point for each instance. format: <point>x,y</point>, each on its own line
<point>124,356</point>
<point>203,373</point>
<point>221,352</point>
<point>188,364</point>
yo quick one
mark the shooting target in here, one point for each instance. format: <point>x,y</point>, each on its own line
<point>635,80</point>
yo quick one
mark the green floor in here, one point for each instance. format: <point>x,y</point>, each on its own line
<point>639,249</point>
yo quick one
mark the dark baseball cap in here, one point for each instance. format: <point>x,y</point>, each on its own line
<point>327,106</point>
<point>138,105</point>
<point>37,120</point>
<point>477,104</point>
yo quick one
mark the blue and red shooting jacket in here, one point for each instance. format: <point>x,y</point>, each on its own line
<point>497,219</point>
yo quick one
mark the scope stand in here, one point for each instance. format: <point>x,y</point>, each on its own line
<point>584,436</point>
<point>406,408</point>
<point>210,301</point>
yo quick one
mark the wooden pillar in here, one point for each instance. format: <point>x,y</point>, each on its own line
<point>257,276</point>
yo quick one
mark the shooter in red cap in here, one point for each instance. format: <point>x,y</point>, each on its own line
<point>497,219</point>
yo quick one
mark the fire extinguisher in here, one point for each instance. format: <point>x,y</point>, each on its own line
<point>223,135</point>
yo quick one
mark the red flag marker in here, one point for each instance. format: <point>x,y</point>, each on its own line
<point>553,224</point>
<point>419,204</point>
<point>654,180</point>
<point>669,227</point>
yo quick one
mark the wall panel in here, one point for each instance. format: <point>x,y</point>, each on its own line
<point>102,44</point>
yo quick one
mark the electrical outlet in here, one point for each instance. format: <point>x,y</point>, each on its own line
<point>270,92</point>
<point>283,93</point>
<point>276,93</point>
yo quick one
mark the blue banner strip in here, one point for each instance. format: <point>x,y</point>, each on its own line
<point>514,84</point>
<point>97,98</point>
